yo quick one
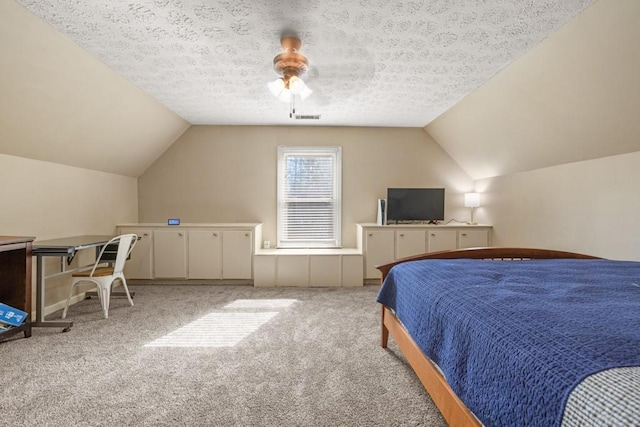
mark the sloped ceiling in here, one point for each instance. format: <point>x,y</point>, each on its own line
<point>60,104</point>
<point>575,96</point>
<point>109,85</point>
<point>373,63</point>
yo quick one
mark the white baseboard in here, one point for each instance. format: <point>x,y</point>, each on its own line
<point>60,304</point>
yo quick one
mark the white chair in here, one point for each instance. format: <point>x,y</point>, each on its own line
<point>104,276</point>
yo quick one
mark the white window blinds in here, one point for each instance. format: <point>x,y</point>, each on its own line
<point>309,197</point>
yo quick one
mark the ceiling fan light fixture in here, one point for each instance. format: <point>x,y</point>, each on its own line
<point>276,87</point>
<point>290,64</point>
<point>296,85</point>
<point>304,94</point>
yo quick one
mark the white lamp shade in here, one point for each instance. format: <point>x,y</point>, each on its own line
<point>276,87</point>
<point>296,85</point>
<point>278,90</point>
<point>471,200</point>
<point>285,95</point>
<point>304,94</point>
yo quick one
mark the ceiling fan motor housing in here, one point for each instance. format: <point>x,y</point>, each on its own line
<point>290,63</point>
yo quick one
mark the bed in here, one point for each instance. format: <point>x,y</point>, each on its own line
<point>516,336</point>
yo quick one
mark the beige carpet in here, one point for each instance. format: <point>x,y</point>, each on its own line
<point>215,356</point>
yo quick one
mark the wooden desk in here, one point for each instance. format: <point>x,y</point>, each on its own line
<point>15,279</point>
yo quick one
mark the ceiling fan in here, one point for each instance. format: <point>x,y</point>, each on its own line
<point>290,65</point>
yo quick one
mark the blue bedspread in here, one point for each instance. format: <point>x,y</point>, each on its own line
<point>514,338</point>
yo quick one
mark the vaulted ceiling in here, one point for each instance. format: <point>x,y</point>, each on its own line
<point>372,63</point>
<point>503,87</point>
<point>573,97</point>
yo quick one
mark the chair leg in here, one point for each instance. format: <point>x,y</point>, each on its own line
<point>105,291</point>
<point>126,290</point>
<point>104,294</point>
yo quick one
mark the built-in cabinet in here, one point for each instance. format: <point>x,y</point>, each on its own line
<point>441,240</point>
<point>170,253</point>
<point>308,267</point>
<point>191,251</point>
<point>473,238</point>
<point>205,248</point>
<point>410,242</point>
<point>230,252</point>
<point>381,244</point>
<point>378,247</point>
<point>237,254</point>
<point>140,264</point>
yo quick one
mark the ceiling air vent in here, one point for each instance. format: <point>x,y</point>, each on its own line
<point>307,116</point>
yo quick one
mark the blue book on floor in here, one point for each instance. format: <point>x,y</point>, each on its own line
<point>11,316</point>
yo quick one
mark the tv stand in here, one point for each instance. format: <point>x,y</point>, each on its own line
<point>382,244</point>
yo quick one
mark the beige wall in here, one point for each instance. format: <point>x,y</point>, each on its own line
<point>228,174</point>
<point>573,97</point>
<point>48,200</point>
<point>60,104</point>
<point>591,207</point>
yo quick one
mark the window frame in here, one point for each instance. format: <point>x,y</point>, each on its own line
<point>335,152</point>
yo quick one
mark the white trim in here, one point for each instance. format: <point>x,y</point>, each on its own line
<point>329,151</point>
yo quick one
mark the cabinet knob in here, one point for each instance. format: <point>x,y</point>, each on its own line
<point>145,234</point>
<point>401,235</point>
<point>215,234</point>
<point>370,235</point>
<point>464,234</point>
<point>433,234</point>
<point>246,234</point>
<point>180,234</point>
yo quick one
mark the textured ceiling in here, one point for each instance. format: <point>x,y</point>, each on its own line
<point>372,63</point>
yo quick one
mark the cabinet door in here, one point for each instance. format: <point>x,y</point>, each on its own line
<point>352,270</point>
<point>474,238</point>
<point>204,254</point>
<point>293,270</point>
<point>264,270</point>
<point>410,242</point>
<point>325,270</point>
<point>379,249</point>
<point>442,240</point>
<point>237,252</point>
<point>170,254</point>
<point>140,265</point>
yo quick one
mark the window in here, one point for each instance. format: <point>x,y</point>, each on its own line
<point>309,182</point>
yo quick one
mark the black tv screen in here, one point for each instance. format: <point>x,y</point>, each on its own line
<point>415,204</point>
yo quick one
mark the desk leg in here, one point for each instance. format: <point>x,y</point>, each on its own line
<point>40,322</point>
<point>27,329</point>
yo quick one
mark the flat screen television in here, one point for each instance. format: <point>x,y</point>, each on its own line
<point>415,204</point>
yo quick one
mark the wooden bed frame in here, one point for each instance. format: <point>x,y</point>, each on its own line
<point>454,411</point>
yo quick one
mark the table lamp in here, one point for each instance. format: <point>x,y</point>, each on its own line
<point>472,200</point>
